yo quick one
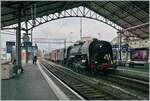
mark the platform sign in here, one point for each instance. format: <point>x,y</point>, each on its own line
<point>27,44</point>
<point>26,38</point>
<point>9,45</point>
<point>115,46</point>
<point>124,47</point>
<point>30,49</point>
<point>9,49</point>
<point>33,49</point>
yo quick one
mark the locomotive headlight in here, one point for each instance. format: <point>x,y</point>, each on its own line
<point>83,61</point>
<point>96,62</point>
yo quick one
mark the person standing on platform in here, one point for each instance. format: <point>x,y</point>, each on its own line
<point>35,59</point>
<point>14,66</point>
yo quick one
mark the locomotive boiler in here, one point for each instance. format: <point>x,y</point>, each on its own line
<point>93,55</point>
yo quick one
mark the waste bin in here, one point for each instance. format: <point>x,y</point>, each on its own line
<point>6,70</point>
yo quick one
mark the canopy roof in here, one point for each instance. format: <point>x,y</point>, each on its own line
<point>125,14</point>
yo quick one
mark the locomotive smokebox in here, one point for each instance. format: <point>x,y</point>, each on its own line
<point>100,48</point>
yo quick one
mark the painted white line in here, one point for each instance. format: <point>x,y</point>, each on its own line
<point>81,98</point>
<point>59,93</point>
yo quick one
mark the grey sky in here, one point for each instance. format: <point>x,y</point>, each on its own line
<point>68,28</point>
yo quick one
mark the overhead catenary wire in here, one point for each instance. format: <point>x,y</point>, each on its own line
<point>64,23</point>
<point>7,33</point>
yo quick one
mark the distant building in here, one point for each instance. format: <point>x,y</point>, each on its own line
<point>115,41</point>
<point>138,43</point>
<point>135,43</point>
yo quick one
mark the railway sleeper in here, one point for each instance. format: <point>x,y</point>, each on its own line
<point>80,88</point>
<point>79,85</point>
<point>92,95</point>
<point>89,91</point>
<point>72,83</point>
<point>97,96</point>
<point>131,84</point>
<point>60,74</point>
<point>84,87</point>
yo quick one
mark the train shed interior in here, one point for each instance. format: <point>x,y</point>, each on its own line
<point>89,73</point>
<point>131,15</point>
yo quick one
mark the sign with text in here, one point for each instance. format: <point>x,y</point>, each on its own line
<point>9,45</point>
<point>32,49</point>
<point>27,44</point>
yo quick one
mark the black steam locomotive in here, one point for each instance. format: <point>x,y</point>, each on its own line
<point>92,55</point>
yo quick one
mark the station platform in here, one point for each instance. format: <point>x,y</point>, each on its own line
<point>30,85</point>
<point>139,69</point>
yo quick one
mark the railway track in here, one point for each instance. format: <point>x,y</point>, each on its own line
<point>130,83</point>
<point>128,79</point>
<point>133,86</point>
<point>94,89</point>
<point>130,74</point>
<point>75,83</point>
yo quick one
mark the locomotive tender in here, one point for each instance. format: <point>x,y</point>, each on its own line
<point>92,54</point>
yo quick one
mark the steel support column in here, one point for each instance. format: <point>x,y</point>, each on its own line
<point>26,24</point>
<point>120,42</point>
<point>80,28</point>
<point>18,40</point>
<point>65,50</point>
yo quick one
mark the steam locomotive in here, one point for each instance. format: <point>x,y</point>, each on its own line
<point>92,55</point>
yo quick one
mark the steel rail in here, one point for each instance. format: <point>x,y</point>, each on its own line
<point>105,88</point>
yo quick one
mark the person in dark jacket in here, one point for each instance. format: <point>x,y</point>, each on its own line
<point>14,66</point>
<point>35,59</point>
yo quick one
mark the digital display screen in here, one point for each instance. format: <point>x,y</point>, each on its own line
<point>140,55</point>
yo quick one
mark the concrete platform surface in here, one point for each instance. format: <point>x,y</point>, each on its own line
<point>30,85</point>
<point>140,69</point>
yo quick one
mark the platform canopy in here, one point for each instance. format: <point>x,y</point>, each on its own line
<point>125,14</point>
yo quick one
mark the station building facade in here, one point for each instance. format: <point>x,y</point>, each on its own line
<point>135,43</point>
